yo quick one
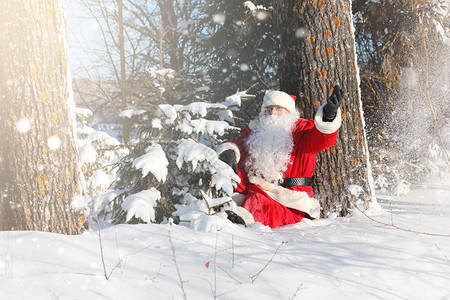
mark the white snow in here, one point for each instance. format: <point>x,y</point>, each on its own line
<point>225,115</point>
<point>221,179</point>
<point>83,113</point>
<point>402,188</point>
<point>340,258</point>
<point>24,125</point>
<point>98,153</point>
<point>219,19</point>
<point>169,73</point>
<point>444,33</point>
<point>100,180</point>
<point>140,205</point>
<point>250,5</point>
<point>185,126</point>
<point>211,127</point>
<point>104,138</point>
<point>200,108</point>
<point>100,202</point>
<point>244,67</point>
<point>54,142</point>
<point>153,161</point>
<point>208,223</point>
<point>236,98</point>
<point>355,189</point>
<point>78,202</point>
<point>85,130</point>
<point>156,123</point>
<point>170,112</point>
<point>128,113</point>
<point>192,152</point>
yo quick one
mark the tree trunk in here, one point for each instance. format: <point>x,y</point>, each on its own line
<point>123,74</point>
<point>38,157</point>
<point>169,23</point>
<point>317,51</point>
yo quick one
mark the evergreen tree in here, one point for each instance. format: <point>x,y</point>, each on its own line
<point>171,156</point>
<point>242,50</point>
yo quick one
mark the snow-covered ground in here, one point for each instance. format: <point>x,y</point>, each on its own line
<point>341,258</point>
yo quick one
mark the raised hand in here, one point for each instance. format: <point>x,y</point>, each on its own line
<point>333,103</point>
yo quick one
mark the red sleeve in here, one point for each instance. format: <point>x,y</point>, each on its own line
<point>311,139</point>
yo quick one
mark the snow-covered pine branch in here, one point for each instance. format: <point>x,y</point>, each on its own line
<point>99,152</point>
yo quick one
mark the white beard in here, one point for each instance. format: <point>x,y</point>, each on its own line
<point>270,146</point>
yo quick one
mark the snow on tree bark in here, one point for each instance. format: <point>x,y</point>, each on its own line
<point>317,51</point>
<point>38,157</point>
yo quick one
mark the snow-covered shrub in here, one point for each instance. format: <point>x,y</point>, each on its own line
<point>171,152</point>
<point>99,154</point>
<point>204,214</point>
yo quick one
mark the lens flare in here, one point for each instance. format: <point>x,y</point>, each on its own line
<point>54,142</point>
<point>24,125</point>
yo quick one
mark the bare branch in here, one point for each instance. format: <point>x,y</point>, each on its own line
<point>442,252</point>
<point>254,277</point>
<point>178,269</point>
<point>393,226</point>
<point>296,291</point>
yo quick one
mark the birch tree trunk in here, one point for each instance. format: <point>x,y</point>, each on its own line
<point>317,51</point>
<point>38,157</point>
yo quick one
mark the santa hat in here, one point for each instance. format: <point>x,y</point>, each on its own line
<point>279,98</point>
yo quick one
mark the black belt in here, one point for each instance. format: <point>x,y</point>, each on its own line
<point>296,181</point>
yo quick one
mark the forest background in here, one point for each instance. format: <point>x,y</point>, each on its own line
<point>214,49</point>
<point>159,84</point>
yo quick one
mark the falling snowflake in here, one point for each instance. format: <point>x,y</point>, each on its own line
<point>219,19</point>
<point>54,142</point>
<point>300,33</point>
<point>261,15</point>
<point>244,67</point>
<point>24,125</point>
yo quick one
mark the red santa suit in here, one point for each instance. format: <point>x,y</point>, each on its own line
<point>274,205</point>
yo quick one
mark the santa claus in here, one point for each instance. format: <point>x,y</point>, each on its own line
<point>275,157</point>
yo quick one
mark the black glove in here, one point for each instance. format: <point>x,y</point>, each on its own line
<point>333,103</point>
<point>229,157</point>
